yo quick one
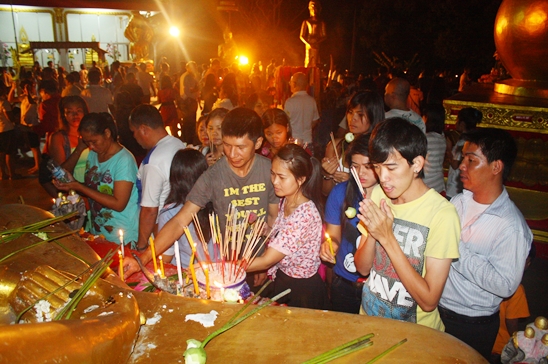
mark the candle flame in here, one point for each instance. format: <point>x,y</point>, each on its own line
<point>326,235</point>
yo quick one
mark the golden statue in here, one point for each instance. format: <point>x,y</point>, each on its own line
<point>227,51</point>
<point>312,34</point>
<point>139,33</point>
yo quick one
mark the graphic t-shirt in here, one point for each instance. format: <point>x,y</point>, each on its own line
<point>426,227</point>
<point>350,236</point>
<point>101,177</point>
<point>221,186</point>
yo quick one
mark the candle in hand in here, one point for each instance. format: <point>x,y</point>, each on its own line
<point>330,242</point>
<point>153,251</point>
<point>120,265</point>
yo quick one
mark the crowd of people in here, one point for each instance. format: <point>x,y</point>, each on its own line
<point>396,246</point>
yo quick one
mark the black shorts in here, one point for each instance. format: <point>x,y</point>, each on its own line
<point>8,143</point>
<point>33,139</point>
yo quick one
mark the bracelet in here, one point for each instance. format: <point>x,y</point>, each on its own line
<point>327,177</point>
<point>142,249</point>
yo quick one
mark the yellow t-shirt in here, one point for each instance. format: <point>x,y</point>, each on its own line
<point>426,227</point>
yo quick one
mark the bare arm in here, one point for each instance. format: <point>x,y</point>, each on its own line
<point>267,260</point>
<point>147,220</point>
<point>170,232</point>
<point>365,254</point>
<point>55,149</point>
<point>117,201</point>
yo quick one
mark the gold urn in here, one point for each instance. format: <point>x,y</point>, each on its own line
<point>521,39</point>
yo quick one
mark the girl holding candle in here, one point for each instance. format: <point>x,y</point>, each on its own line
<point>109,181</point>
<point>186,167</point>
<point>292,256</point>
<point>365,109</point>
<point>346,286</point>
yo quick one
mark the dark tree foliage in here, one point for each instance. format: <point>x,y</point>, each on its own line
<point>448,34</point>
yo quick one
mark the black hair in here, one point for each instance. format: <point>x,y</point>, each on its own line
<point>371,104</point>
<point>435,118</point>
<point>50,87</point>
<point>301,164</point>
<point>94,77</point>
<point>254,98</point>
<point>240,122</point>
<point>97,123</point>
<point>397,134</point>
<point>146,115</point>
<point>495,144</point>
<point>275,116</point>
<point>219,112</point>
<point>64,103</point>
<point>470,116</point>
<point>187,166</point>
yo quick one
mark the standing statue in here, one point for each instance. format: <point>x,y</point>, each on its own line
<point>139,33</point>
<point>227,51</point>
<point>312,34</point>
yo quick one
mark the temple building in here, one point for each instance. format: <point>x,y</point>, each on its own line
<point>45,31</point>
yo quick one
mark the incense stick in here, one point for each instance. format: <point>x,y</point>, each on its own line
<point>357,179</point>
<point>339,161</point>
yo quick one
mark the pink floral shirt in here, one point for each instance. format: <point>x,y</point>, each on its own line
<point>299,237</point>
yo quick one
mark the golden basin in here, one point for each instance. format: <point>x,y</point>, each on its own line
<point>112,333</point>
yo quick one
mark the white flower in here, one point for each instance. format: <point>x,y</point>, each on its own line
<point>349,137</point>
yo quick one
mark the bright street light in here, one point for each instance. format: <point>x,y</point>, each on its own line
<point>174,31</point>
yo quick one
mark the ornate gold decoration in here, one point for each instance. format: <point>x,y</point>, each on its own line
<point>510,117</point>
<point>59,18</point>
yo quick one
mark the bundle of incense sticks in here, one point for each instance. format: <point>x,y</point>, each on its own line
<point>238,248</point>
<point>357,179</point>
<point>335,149</point>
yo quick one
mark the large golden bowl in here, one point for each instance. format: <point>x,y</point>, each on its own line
<point>521,38</point>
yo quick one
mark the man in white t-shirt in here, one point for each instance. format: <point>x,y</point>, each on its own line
<point>153,176</point>
<point>301,108</point>
<point>395,97</point>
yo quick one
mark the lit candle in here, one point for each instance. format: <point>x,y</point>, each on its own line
<point>153,251</point>
<point>54,203</point>
<point>193,275</point>
<point>121,265</point>
<point>162,272</point>
<point>330,242</point>
<point>206,272</point>
<point>178,262</point>
<point>121,233</point>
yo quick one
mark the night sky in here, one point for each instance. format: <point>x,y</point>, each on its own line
<point>445,34</point>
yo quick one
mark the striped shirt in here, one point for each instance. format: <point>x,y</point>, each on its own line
<point>493,248</point>
<point>433,168</point>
